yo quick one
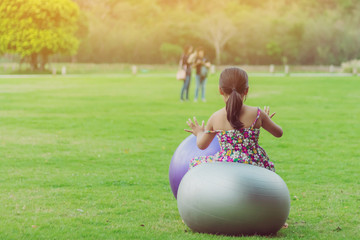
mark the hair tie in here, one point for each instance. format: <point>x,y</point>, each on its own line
<point>234,89</point>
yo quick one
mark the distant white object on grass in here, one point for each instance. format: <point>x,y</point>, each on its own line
<point>272,68</point>
<point>63,70</point>
<point>287,69</point>
<point>355,71</point>
<point>212,69</point>
<point>134,69</point>
<point>331,68</point>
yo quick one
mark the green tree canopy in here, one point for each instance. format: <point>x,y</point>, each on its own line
<point>147,31</point>
<point>230,31</point>
<point>32,28</point>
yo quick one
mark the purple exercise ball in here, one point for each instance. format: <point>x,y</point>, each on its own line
<point>180,161</point>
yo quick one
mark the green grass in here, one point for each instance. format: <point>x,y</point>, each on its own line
<point>88,157</point>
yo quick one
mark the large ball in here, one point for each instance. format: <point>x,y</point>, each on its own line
<point>233,199</point>
<point>180,161</point>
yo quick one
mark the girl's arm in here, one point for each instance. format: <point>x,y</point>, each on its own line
<point>269,125</point>
<point>191,58</point>
<point>207,63</point>
<point>203,139</point>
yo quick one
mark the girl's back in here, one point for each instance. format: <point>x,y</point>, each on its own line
<point>237,145</point>
<point>236,125</point>
<point>247,116</point>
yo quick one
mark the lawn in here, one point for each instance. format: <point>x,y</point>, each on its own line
<point>87,157</point>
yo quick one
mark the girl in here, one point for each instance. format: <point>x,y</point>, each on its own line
<point>237,126</point>
<point>186,65</point>
<point>201,65</point>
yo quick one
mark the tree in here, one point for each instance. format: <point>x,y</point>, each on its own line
<point>32,28</point>
<point>170,52</point>
<point>232,31</point>
<point>217,30</point>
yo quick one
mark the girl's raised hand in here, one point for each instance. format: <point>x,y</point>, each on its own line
<point>267,111</point>
<point>195,127</point>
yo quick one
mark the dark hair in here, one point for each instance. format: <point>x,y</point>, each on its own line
<point>234,82</point>
<point>198,49</point>
<point>187,48</point>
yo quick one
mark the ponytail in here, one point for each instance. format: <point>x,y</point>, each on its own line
<point>233,108</point>
<point>233,82</point>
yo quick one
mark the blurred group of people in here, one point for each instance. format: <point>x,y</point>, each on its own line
<point>194,59</point>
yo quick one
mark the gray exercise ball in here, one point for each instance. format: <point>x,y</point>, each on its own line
<point>233,199</point>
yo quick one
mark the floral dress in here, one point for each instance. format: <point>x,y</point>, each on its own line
<point>238,146</point>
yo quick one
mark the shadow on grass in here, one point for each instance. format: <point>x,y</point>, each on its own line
<point>282,233</point>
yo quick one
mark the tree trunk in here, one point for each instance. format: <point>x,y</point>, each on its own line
<point>33,62</point>
<point>21,62</point>
<point>74,59</point>
<point>217,53</point>
<point>45,59</point>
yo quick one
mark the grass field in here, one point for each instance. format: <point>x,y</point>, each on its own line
<point>87,157</point>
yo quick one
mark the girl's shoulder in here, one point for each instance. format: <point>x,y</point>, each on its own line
<point>253,116</point>
<point>253,110</point>
<point>219,113</point>
<point>216,116</point>
<point>217,120</point>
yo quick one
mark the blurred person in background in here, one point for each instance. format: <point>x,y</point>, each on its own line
<point>202,65</point>
<point>186,65</point>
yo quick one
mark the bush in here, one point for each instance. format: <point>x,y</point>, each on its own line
<point>170,52</point>
<point>348,66</point>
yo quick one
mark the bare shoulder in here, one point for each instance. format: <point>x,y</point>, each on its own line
<point>215,118</point>
<point>219,113</point>
<point>250,110</point>
<point>249,115</point>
